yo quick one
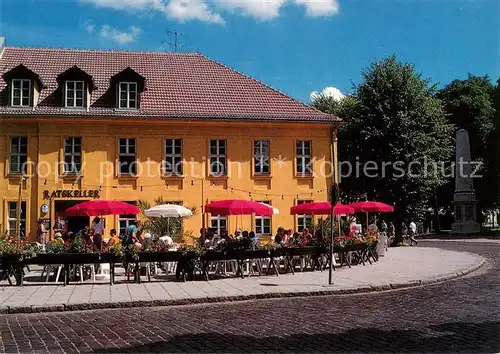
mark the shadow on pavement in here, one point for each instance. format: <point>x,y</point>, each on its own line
<point>449,337</point>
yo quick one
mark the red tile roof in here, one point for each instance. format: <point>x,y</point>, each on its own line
<point>178,86</point>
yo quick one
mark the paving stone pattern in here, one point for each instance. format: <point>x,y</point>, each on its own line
<point>455,316</point>
<point>404,266</point>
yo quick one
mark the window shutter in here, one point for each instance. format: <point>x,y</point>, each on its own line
<point>8,94</point>
<point>64,94</point>
<point>117,102</point>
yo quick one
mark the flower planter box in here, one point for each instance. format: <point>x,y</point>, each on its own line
<point>356,247</point>
<point>65,258</point>
<point>110,258</point>
<point>236,255</point>
<point>173,256</point>
<point>305,251</point>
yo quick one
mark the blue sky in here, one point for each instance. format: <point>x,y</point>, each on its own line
<point>296,46</point>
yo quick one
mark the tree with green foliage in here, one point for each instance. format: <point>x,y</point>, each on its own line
<point>393,128</point>
<point>163,226</point>
<point>470,105</point>
<point>494,147</point>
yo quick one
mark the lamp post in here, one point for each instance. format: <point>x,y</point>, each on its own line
<point>202,200</point>
<point>334,199</point>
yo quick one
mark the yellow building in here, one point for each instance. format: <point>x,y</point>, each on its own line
<point>77,125</point>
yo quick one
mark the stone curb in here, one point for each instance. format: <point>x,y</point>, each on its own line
<point>221,299</point>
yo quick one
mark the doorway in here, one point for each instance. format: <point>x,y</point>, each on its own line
<point>74,223</point>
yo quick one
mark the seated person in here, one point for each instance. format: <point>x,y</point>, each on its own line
<point>132,236</point>
<point>58,240</point>
<point>147,240</point>
<point>254,238</point>
<point>114,239</point>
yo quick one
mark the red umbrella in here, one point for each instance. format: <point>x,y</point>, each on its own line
<point>238,207</point>
<point>320,208</point>
<point>102,207</point>
<point>341,209</point>
<point>371,207</point>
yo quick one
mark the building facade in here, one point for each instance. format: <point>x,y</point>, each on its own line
<point>77,125</point>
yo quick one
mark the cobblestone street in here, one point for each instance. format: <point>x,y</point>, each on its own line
<point>455,316</point>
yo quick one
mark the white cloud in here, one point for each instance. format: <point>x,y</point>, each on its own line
<point>328,91</point>
<point>134,5</point>
<point>205,10</point>
<point>185,10</point>
<point>319,7</point>
<point>121,37</point>
<point>90,27</point>
<point>261,9</point>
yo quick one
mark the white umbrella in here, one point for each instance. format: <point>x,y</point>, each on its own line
<point>168,211</point>
<point>275,210</point>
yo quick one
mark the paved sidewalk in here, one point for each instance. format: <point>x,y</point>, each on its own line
<point>465,239</point>
<point>401,267</point>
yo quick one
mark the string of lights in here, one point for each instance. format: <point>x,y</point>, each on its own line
<point>142,188</point>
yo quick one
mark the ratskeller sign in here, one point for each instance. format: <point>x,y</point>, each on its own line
<point>71,193</point>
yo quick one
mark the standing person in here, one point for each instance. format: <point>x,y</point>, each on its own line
<point>383,226</point>
<point>391,232</point>
<point>404,230</point>
<point>413,233</point>
<point>97,226</point>
<point>203,236</point>
<point>60,225</point>
<point>97,243</point>
<point>41,233</point>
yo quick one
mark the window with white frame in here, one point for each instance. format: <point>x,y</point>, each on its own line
<point>21,92</point>
<point>75,93</point>
<point>173,157</point>
<point>127,157</point>
<point>218,159</point>
<point>124,222</point>
<point>261,157</point>
<point>127,95</point>
<point>263,223</point>
<point>18,159</point>
<point>72,154</point>
<point>304,221</point>
<point>12,219</point>
<point>303,157</point>
<point>218,223</point>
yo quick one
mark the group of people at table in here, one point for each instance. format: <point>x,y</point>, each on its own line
<point>94,236</point>
<point>95,240</point>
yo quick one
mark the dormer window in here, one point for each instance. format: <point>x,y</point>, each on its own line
<point>76,87</point>
<point>128,95</point>
<point>21,93</point>
<point>24,86</point>
<point>75,94</point>
<point>128,85</point>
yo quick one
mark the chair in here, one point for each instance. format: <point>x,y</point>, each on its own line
<point>104,272</point>
<point>56,268</point>
<point>81,268</point>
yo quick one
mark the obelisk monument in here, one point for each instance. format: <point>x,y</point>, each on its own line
<point>464,199</point>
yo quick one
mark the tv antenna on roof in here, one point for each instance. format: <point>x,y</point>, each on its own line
<point>176,43</point>
<point>176,38</point>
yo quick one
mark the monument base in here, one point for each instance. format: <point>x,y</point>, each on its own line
<point>465,228</point>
